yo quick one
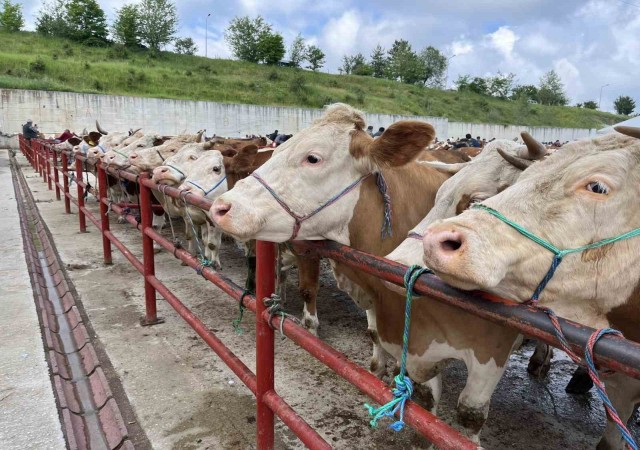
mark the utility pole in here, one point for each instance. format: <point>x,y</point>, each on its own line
<point>446,78</point>
<point>206,36</point>
<point>601,88</point>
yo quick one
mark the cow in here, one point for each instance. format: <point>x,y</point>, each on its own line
<point>317,166</point>
<point>147,159</point>
<point>581,194</point>
<point>207,179</point>
<point>173,173</point>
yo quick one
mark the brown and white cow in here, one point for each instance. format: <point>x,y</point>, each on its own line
<point>315,166</point>
<point>583,193</point>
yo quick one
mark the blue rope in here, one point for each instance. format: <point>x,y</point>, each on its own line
<point>403,385</point>
<point>600,388</point>
<point>207,192</point>
<point>384,191</point>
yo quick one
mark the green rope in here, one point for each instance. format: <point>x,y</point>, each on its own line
<point>403,385</point>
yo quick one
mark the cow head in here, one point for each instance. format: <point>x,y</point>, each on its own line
<point>207,178</point>
<point>147,159</point>
<point>175,169</point>
<point>309,170</point>
<point>119,157</point>
<point>583,193</point>
<point>492,171</point>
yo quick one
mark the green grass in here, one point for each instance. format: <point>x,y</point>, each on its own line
<point>30,61</point>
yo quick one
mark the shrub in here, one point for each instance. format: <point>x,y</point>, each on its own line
<point>37,66</point>
<point>298,84</point>
<point>87,66</point>
<point>97,84</point>
<point>273,76</point>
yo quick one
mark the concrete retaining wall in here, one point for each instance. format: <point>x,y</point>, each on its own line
<point>55,111</point>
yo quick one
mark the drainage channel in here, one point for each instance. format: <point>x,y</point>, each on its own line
<point>79,378</point>
<point>89,414</point>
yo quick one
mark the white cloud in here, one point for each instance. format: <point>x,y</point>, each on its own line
<point>503,40</point>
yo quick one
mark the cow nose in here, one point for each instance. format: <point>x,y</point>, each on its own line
<point>164,170</point>
<point>220,209</point>
<point>133,156</point>
<point>446,243</point>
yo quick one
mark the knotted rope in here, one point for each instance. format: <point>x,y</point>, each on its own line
<point>596,335</point>
<point>403,385</point>
<point>384,191</point>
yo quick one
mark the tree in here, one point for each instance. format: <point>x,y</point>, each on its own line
<point>379,62</point>
<point>355,65</point>
<point>52,19</point>
<point>551,90</point>
<point>125,28</point>
<point>528,92</point>
<point>590,104</point>
<point>271,48</point>
<point>501,85</point>
<point>433,65</point>
<point>624,105</point>
<point>185,46</point>
<point>254,40</point>
<point>11,16</point>
<point>404,63</point>
<point>158,22</point>
<point>297,52</point>
<point>315,57</point>
<point>87,21</point>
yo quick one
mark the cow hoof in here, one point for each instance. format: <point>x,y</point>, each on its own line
<point>537,370</point>
<point>121,219</point>
<point>378,369</point>
<point>310,326</point>
<point>183,263</point>
<point>472,419</point>
<point>580,382</point>
<point>156,248</point>
<point>424,396</point>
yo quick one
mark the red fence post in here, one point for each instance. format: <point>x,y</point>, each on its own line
<point>38,147</point>
<point>265,286</point>
<point>148,257</point>
<point>56,175</point>
<point>47,152</point>
<point>104,214</point>
<point>81,217</point>
<point>65,183</point>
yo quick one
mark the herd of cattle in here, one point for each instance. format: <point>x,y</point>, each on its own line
<point>319,185</point>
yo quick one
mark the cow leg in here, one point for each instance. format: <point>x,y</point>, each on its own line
<point>540,361</point>
<point>379,358</point>
<point>213,244</point>
<point>308,284</point>
<point>190,238</point>
<point>624,393</point>
<point>580,382</point>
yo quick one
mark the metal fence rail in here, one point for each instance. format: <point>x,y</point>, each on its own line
<point>611,352</point>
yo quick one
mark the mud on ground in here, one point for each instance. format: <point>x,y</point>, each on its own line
<point>186,398</point>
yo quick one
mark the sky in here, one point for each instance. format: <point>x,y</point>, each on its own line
<point>589,43</point>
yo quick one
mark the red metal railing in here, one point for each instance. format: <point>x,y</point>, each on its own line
<point>611,352</point>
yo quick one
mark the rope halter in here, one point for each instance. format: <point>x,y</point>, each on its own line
<point>558,254</point>
<point>382,187</point>
<point>207,192</point>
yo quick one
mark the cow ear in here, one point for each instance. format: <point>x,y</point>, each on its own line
<point>229,153</point>
<point>400,144</point>
<point>95,136</point>
<point>243,161</point>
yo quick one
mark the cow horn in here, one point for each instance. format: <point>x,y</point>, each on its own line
<point>445,167</point>
<point>100,130</point>
<point>84,131</point>
<point>520,163</point>
<point>535,150</point>
<point>134,131</point>
<point>199,135</point>
<point>629,131</point>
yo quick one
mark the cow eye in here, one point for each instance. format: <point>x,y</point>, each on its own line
<point>313,159</point>
<point>216,169</point>
<point>193,157</point>
<point>598,187</point>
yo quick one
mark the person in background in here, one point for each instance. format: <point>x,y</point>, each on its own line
<point>379,132</point>
<point>273,135</point>
<point>282,138</point>
<point>28,130</point>
<point>370,130</point>
<point>65,136</point>
<point>473,142</point>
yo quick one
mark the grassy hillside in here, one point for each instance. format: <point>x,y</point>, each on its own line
<point>29,61</point>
